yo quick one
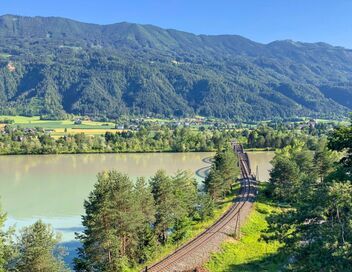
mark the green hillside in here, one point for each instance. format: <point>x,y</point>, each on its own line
<point>55,65</point>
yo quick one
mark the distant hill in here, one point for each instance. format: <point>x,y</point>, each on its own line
<point>54,65</point>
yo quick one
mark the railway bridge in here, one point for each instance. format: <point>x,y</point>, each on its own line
<point>197,251</point>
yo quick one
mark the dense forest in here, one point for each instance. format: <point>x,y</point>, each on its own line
<point>315,192</point>
<point>51,66</point>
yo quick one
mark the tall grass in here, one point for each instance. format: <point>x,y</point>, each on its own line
<point>250,253</point>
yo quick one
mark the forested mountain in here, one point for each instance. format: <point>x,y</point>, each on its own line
<point>50,66</point>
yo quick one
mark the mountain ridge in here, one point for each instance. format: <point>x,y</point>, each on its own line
<point>11,16</point>
<point>62,65</point>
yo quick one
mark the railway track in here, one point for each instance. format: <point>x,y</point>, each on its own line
<point>172,262</point>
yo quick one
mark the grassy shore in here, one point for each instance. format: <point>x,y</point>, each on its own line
<point>250,253</point>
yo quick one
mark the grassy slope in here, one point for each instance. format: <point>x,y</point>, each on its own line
<point>250,253</point>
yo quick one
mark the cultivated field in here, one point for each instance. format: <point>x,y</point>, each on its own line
<point>58,127</point>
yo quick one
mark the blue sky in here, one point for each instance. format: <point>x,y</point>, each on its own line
<point>260,20</point>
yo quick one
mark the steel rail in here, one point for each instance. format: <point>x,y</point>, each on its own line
<point>222,222</point>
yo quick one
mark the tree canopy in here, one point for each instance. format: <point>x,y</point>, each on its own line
<point>316,227</point>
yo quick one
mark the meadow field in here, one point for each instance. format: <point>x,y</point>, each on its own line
<point>61,127</point>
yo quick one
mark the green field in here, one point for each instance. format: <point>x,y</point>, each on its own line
<point>250,253</point>
<point>58,127</point>
<point>62,127</point>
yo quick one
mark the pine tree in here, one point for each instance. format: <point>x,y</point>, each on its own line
<point>341,140</point>
<point>324,160</point>
<point>213,184</point>
<point>317,231</point>
<point>294,169</point>
<point>185,192</point>
<point>36,246</point>
<point>222,175</point>
<point>284,179</point>
<point>180,228</point>
<point>144,201</point>
<point>100,244</point>
<point>147,244</point>
<point>205,206</point>
<point>113,221</point>
<point>146,241</point>
<point>165,201</point>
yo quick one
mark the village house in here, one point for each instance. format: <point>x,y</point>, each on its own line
<point>77,121</point>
